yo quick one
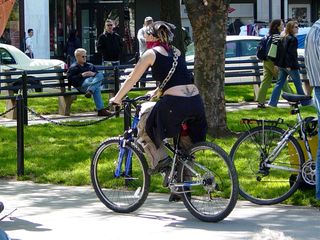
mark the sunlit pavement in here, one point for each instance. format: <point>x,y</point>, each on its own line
<point>92,116</point>
<point>46,212</point>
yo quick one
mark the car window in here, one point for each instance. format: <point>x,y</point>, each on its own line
<point>231,49</point>
<point>5,57</point>
<point>248,47</point>
<point>190,50</point>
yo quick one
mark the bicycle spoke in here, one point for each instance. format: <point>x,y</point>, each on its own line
<point>267,182</point>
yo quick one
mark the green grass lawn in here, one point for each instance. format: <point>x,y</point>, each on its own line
<point>61,155</point>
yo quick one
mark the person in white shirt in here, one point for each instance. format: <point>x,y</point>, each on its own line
<point>142,42</point>
<point>29,44</point>
<point>140,35</point>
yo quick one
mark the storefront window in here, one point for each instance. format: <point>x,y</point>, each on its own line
<point>62,15</point>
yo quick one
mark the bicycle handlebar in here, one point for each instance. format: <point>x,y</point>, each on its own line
<point>136,99</point>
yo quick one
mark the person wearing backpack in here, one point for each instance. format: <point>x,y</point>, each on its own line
<point>270,71</point>
<point>287,61</point>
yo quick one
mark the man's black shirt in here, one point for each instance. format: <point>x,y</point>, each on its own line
<point>74,73</point>
<point>110,46</point>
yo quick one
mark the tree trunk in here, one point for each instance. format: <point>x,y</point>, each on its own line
<point>208,21</point>
<point>170,12</point>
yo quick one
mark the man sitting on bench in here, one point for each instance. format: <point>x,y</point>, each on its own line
<point>85,78</point>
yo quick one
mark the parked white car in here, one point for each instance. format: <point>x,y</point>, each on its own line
<point>12,58</point>
<point>237,48</point>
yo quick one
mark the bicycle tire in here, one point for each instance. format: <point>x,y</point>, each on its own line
<point>127,192</point>
<point>214,198</point>
<point>263,185</point>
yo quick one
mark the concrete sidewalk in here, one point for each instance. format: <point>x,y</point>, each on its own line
<point>92,116</point>
<point>46,212</point>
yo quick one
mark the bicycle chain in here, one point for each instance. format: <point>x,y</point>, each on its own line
<point>67,125</point>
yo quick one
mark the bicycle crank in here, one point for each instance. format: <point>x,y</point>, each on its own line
<point>309,172</point>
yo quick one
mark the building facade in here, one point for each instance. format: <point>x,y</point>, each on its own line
<point>52,20</point>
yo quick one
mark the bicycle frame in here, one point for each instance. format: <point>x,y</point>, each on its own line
<point>289,132</point>
<point>128,136</point>
<point>126,155</point>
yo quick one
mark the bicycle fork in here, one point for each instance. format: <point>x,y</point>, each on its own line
<point>124,153</point>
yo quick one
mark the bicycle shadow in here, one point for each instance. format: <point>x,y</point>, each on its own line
<point>246,217</point>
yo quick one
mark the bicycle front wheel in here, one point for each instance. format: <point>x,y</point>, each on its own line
<point>210,184</point>
<point>119,176</point>
<point>267,182</point>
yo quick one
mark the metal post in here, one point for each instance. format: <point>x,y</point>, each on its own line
<point>116,80</point>
<point>25,97</point>
<point>20,136</point>
<point>116,85</point>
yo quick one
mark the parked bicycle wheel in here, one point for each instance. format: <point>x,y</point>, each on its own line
<point>215,195</point>
<point>120,185</point>
<point>264,181</point>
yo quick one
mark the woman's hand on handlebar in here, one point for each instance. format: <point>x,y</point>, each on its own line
<point>112,101</point>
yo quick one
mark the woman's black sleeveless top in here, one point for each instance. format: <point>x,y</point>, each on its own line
<point>162,66</point>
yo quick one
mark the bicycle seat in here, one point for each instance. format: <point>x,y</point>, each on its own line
<point>295,98</point>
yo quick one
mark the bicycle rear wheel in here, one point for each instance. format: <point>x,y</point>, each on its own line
<point>215,195</point>
<point>121,188</point>
<point>263,184</point>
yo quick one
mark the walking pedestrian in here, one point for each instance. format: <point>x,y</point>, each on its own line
<point>85,77</point>
<point>234,28</point>
<point>29,44</point>
<point>312,62</point>
<point>142,43</point>
<point>140,35</point>
<point>270,71</point>
<point>287,61</point>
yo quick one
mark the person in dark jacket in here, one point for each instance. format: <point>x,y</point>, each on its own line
<point>110,46</point>
<point>72,44</point>
<point>85,77</point>
<point>288,65</point>
<point>110,43</point>
<point>234,28</point>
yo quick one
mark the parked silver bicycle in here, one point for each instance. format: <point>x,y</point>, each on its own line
<point>269,160</point>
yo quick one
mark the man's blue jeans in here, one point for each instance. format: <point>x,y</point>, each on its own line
<point>283,74</point>
<point>93,84</point>
<point>317,104</point>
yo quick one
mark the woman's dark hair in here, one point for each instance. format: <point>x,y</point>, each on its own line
<point>274,26</point>
<point>161,30</point>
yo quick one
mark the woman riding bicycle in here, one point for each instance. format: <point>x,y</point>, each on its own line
<point>180,99</point>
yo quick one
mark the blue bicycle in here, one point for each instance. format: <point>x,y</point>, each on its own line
<point>204,177</point>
